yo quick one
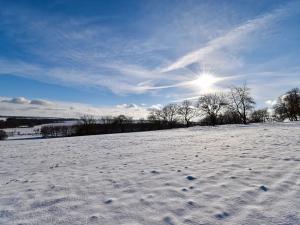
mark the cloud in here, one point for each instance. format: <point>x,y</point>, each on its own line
<point>24,107</point>
<point>40,102</point>
<point>156,106</point>
<point>229,41</point>
<point>24,101</point>
<point>18,100</point>
<point>271,102</point>
<point>80,52</point>
<point>127,106</point>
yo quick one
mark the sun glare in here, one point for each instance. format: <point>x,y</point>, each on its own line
<point>205,82</point>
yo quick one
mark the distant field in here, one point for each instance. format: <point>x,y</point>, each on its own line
<point>231,174</point>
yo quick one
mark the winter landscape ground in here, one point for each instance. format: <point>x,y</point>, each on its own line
<point>231,174</point>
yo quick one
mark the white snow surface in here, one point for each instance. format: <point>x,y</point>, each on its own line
<point>243,175</point>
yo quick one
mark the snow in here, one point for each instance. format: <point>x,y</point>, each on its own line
<point>202,175</point>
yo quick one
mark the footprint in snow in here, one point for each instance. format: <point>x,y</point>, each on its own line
<point>190,178</point>
<point>263,188</point>
<point>191,203</point>
<point>223,215</point>
<point>93,218</point>
<point>168,220</point>
<point>108,201</point>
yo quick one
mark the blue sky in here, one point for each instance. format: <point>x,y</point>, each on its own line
<point>108,56</point>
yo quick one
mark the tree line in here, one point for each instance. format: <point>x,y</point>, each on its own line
<point>89,125</point>
<point>236,106</point>
<point>212,109</point>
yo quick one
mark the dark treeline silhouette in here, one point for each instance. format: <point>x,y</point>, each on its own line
<point>88,125</point>
<point>213,109</point>
<point>13,122</point>
<point>234,107</point>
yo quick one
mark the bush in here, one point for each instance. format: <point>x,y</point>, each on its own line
<point>57,131</point>
<point>3,135</point>
<point>259,116</point>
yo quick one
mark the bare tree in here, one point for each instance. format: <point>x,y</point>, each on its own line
<point>260,116</point>
<point>106,120</point>
<point>87,120</point>
<point>169,113</point>
<point>241,102</point>
<point>211,105</point>
<point>155,114</point>
<point>288,106</point>
<point>87,125</point>
<point>187,111</point>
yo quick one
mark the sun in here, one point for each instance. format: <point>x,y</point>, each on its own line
<point>205,82</point>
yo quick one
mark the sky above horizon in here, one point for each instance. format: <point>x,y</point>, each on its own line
<point>68,58</point>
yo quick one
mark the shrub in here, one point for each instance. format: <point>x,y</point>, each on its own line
<point>259,116</point>
<point>57,131</point>
<point>3,135</point>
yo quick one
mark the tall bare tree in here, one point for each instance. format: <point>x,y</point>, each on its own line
<point>155,114</point>
<point>88,125</point>
<point>210,105</point>
<point>241,102</point>
<point>169,113</point>
<point>187,111</point>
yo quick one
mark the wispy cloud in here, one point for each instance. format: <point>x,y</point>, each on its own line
<point>231,41</point>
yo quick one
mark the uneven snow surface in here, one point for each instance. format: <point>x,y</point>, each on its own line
<point>201,175</point>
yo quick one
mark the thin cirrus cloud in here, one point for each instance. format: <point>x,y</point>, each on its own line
<point>230,41</point>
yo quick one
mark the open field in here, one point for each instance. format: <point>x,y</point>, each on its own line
<point>202,175</point>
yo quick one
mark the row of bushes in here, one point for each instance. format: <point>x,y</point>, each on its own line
<point>107,128</point>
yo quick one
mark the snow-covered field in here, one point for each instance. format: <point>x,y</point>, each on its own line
<point>201,175</point>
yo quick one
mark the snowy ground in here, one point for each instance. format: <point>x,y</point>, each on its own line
<point>243,175</point>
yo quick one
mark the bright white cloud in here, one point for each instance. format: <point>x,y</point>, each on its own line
<point>24,107</point>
